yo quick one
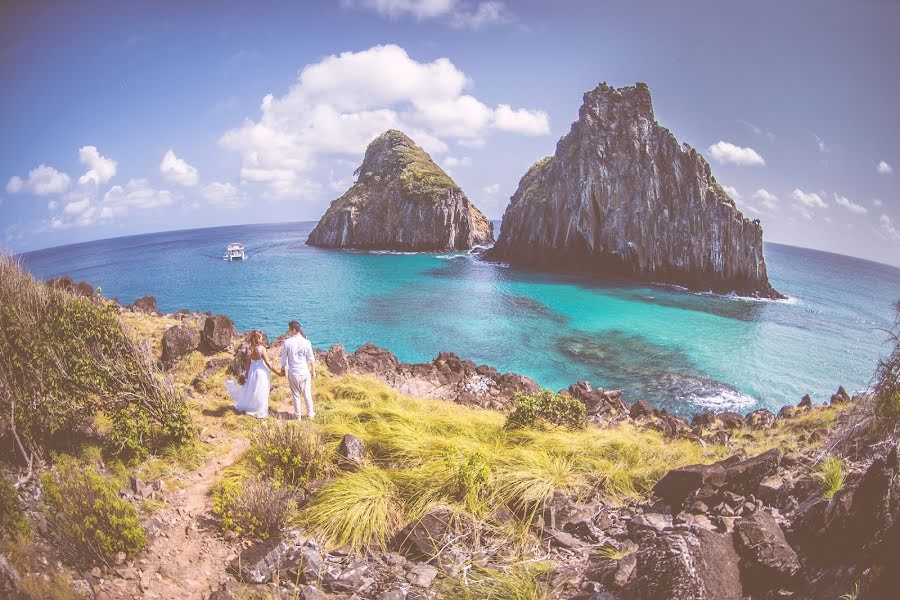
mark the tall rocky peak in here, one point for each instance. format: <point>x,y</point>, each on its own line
<point>402,200</point>
<point>622,198</point>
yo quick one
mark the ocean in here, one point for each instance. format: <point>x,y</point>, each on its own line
<point>682,351</point>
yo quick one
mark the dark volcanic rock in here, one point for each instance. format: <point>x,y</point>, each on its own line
<point>218,333</point>
<point>745,476</point>
<point>178,341</point>
<point>336,360</point>
<point>621,197</point>
<point>146,304</point>
<point>682,565</point>
<point>66,283</point>
<point>402,201</point>
<point>767,561</point>
<point>352,449</point>
<point>678,484</point>
<point>423,538</point>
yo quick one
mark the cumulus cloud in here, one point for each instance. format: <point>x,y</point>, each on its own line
<point>805,202</point>
<point>177,170</point>
<point>456,13</point>
<point>766,199</point>
<point>451,162</point>
<point>41,181</point>
<point>732,192</point>
<point>887,228</point>
<point>725,152</point>
<point>877,203</point>
<point>83,208</point>
<point>338,105</point>
<point>884,168</point>
<point>491,189</point>
<point>850,205</point>
<point>223,195</point>
<point>100,169</point>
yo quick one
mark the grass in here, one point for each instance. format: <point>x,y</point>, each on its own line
<point>852,594</point>
<point>797,434</point>
<point>612,553</point>
<point>425,452</point>
<point>524,581</point>
<point>832,475</point>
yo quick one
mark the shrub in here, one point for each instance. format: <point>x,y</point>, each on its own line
<point>291,452</point>
<point>545,406</point>
<point>12,519</point>
<point>253,508</point>
<point>64,359</point>
<point>887,381</point>
<point>830,472</point>
<point>86,515</point>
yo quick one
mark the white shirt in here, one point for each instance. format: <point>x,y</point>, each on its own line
<point>297,355</point>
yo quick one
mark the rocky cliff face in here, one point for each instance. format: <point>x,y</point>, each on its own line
<point>621,197</point>
<point>402,201</point>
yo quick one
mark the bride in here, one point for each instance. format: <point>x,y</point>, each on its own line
<point>253,397</point>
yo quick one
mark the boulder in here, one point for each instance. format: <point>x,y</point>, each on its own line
<point>178,341</point>
<point>218,333</point>
<point>352,449</point>
<point>146,304</point>
<point>369,358</point>
<point>678,484</point>
<point>805,402</point>
<point>640,409</point>
<point>767,560</point>
<point>760,419</point>
<point>745,476</point>
<point>422,575</point>
<point>704,419</point>
<point>731,420</point>
<point>840,396</point>
<point>336,360</point>
<point>423,538</point>
<point>260,562</point>
<point>685,565</point>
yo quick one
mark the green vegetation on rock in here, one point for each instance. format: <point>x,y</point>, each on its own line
<point>546,407</point>
<point>12,519</point>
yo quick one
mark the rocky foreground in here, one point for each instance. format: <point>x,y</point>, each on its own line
<point>756,524</point>
<point>402,201</point>
<point>621,197</point>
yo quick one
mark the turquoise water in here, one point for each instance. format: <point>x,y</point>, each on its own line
<point>678,350</point>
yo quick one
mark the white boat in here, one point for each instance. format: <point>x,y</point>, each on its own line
<point>234,252</point>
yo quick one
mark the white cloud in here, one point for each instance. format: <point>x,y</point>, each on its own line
<point>338,105</point>
<point>725,152</point>
<point>758,130</point>
<point>485,13</point>
<point>83,208</point>
<point>52,205</point>
<point>808,199</point>
<point>454,12</point>
<point>805,202</point>
<point>884,168</point>
<point>177,170</point>
<point>821,145</point>
<point>877,203</point>
<point>492,189</point>
<point>100,169</point>
<point>887,228</point>
<point>223,195</point>
<point>766,199</point>
<point>42,181</point>
<point>452,162</point>
<point>850,205</point>
<point>732,192</point>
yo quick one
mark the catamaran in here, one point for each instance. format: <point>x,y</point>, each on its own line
<point>235,252</point>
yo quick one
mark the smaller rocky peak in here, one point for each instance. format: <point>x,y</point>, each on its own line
<point>632,100</point>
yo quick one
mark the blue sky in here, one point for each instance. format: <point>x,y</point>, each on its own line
<point>128,117</point>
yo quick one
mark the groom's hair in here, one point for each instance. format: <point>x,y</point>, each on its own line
<point>293,326</point>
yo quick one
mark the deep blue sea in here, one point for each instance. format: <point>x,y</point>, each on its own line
<point>682,351</point>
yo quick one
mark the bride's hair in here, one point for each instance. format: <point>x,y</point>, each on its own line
<point>256,338</point>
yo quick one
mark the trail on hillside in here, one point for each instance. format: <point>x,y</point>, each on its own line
<point>187,559</point>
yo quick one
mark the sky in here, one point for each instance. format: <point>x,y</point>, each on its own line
<point>119,118</point>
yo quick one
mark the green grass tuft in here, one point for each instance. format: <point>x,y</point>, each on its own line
<point>832,474</point>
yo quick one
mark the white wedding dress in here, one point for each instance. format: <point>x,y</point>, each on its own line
<point>252,397</point>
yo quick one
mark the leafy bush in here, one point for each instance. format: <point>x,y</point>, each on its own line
<point>546,406</point>
<point>12,519</point>
<point>832,475</point>
<point>86,515</point>
<point>253,508</point>
<point>65,359</point>
<point>290,452</point>
<point>887,381</point>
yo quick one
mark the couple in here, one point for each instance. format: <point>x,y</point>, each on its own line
<point>297,361</point>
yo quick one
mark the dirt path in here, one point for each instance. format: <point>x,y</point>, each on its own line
<point>187,558</point>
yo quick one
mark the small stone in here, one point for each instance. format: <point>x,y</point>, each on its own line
<point>422,575</point>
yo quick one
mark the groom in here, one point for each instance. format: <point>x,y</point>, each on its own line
<point>299,363</point>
